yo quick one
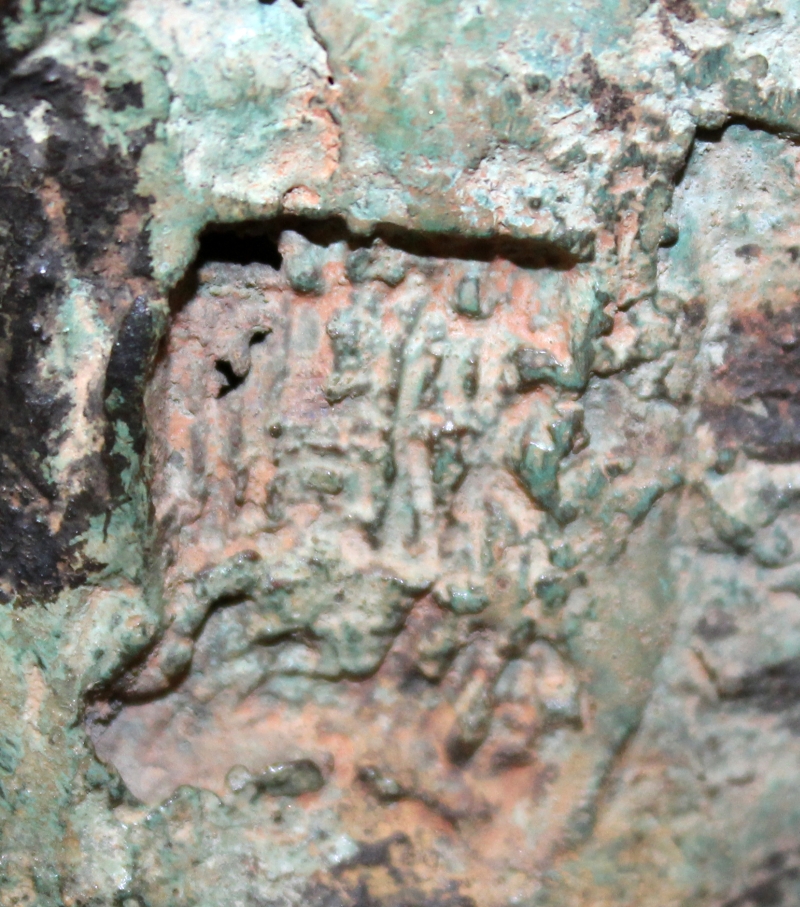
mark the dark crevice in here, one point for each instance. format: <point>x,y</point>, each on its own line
<point>374,853</point>
<point>118,692</point>
<point>680,173</point>
<point>714,136</point>
<point>226,370</point>
<point>240,247</point>
<point>303,635</point>
<point>256,242</point>
<point>772,689</point>
<point>525,253</point>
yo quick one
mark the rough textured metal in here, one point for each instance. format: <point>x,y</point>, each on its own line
<point>400,453</point>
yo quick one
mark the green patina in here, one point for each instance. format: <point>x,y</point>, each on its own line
<point>468,121</point>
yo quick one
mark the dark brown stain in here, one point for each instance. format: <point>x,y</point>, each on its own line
<point>665,25</point>
<point>97,186</point>
<point>612,105</point>
<point>124,387</point>
<point>716,625</point>
<point>748,251</point>
<point>681,9</point>
<point>359,895</point>
<point>774,885</point>
<point>756,402</point>
<point>695,313</point>
<point>127,95</point>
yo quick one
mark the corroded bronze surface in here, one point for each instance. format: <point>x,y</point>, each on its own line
<point>374,494</point>
<point>399,453</point>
